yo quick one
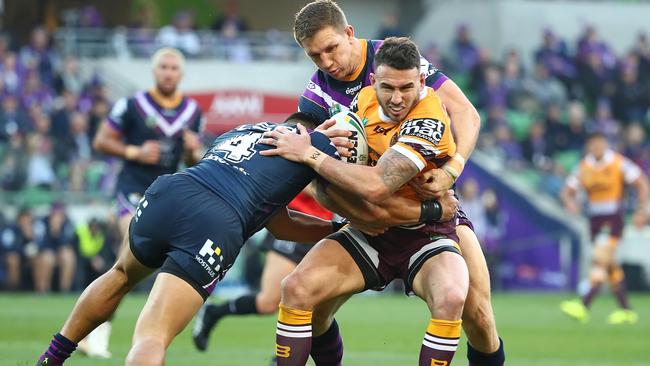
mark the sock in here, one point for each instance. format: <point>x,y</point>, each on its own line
<point>478,358</point>
<point>327,348</point>
<point>241,306</point>
<point>59,350</point>
<point>617,285</point>
<point>589,297</point>
<point>440,342</point>
<point>293,336</point>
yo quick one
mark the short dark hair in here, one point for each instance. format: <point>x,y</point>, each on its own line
<point>399,53</point>
<point>306,119</point>
<point>315,16</point>
<point>596,135</point>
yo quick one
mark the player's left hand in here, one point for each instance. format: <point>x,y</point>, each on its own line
<point>640,219</point>
<point>338,136</point>
<point>431,184</point>
<point>288,144</point>
<point>191,140</point>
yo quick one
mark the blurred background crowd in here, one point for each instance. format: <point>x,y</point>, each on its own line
<point>535,120</point>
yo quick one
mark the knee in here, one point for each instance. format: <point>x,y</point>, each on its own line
<point>146,352</point>
<point>448,304</point>
<point>297,292</point>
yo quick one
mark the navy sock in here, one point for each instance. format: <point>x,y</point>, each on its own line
<point>327,348</point>
<point>477,358</point>
<point>241,306</point>
<point>59,350</point>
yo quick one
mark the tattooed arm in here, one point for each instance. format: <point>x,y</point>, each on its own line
<point>374,184</point>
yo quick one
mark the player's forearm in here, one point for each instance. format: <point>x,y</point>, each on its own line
<point>362,181</point>
<point>110,146</point>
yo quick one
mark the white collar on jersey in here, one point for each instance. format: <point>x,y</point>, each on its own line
<point>384,118</point>
<point>608,157</point>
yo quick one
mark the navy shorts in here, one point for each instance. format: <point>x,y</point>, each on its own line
<point>184,229</point>
<point>291,250</point>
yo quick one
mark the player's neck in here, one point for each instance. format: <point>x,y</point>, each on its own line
<point>359,54</point>
<point>166,100</point>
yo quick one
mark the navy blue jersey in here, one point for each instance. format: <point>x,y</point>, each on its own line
<point>325,95</point>
<point>51,239</point>
<point>141,118</point>
<point>254,185</point>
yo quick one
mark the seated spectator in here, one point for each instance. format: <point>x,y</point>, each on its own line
<point>557,131</point>
<point>13,166</point>
<point>494,92</point>
<point>40,145</point>
<point>590,45</point>
<point>230,17</point>
<point>18,248</point>
<point>35,92</point>
<point>180,35</point>
<point>513,79</point>
<point>554,56</point>
<point>95,250</point>
<point>56,250</point>
<point>595,80</point>
<point>632,96</point>
<point>39,56</point>
<point>13,119</point>
<point>509,149</point>
<point>67,104</point>
<point>236,47</point>
<point>11,73</point>
<point>545,88</point>
<point>470,195</point>
<point>79,151</point>
<point>536,147</point>
<point>603,121</point>
<point>69,79</point>
<point>577,132</point>
<point>390,27</point>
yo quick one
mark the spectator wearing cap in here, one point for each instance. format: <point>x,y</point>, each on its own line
<point>56,250</point>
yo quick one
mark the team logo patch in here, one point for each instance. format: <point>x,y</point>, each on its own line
<point>428,129</point>
<point>208,257</point>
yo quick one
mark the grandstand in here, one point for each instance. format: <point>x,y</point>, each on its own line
<point>574,68</point>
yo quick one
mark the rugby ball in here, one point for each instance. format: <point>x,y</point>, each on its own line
<point>348,120</point>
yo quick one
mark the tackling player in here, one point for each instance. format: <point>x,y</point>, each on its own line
<point>603,174</point>
<point>152,131</point>
<point>408,131</point>
<point>345,63</point>
<point>192,225</point>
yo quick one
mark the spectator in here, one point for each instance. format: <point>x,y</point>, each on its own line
<point>632,97</point>
<point>90,17</point>
<point>11,73</point>
<point>61,115</point>
<point>55,250</point>
<point>40,170</point>
<point>473,207</point>
<point>39,56</point>
<point>636,146</point>
<point>513,80</point>
<point>95,251</point>
<point>13,118</point>
<point>36,93</point>
<point>230,18</point>
<point>236,47</point>
<point>98,112</point>
<point>594,78</point>
<point>494,92</point>
<point>464,52</point>
<point>13,171</point>
<point>545,88</point>
<point>80,150</point>
<point>557,132</point>
<point>69,79</point>
<point>536,147</point>
<point>477,73</point>
<point>18,248</point>
<point>590,46</point>
<point>577,133</point>
<point>510,150</point>
<point>390,27</point>
<point>180,34</point>
<point>603,121</point>
<point>554,56</point>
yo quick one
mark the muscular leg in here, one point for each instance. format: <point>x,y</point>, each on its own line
<point>42,270</point>
<point>171,305</point>
<point>442,283</point>
<point>478,316</point>
<point>327,272</point>
<point>95,305</point>
<point>327,344</point>
<point>276,268</point>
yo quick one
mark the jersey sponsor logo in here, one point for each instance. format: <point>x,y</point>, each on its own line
<point>353,89</point>
<point>429,129</point>
<point>208,256</point>
<point>354,105</point>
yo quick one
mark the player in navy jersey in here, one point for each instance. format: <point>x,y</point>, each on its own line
<point>152,131</point>
<point>192,225</point>
<point>345,63</point>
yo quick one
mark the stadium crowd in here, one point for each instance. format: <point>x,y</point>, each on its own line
<point>534,120</point>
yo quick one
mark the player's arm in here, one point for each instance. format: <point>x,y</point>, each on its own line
<point>568,194</point>
<point>374,184</point>
<point>109,139</point>
<point>192,146</point>
<point>296,226</point>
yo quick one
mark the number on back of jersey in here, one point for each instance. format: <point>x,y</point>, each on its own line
<point>238,148</point>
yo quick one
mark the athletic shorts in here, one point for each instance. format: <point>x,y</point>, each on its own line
<point>398,253</point>
<point>614,222</point>
<point>186,230</point>
<point>127,202</point>
<point>463,219</point>
<point>291,250</point>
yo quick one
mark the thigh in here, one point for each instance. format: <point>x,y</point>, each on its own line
<point>172,303</point>
<point>327,272</point>
<point>479,276</point>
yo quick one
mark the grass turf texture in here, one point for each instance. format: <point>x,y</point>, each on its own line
<point>377,331</point>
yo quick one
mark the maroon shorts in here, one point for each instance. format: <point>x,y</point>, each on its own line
<point>614,222</point>
<point>398,253</point>
<point>464,220</point>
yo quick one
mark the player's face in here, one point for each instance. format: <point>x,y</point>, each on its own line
<point>398,91</point>
<point>168,74</point>
<point>597,147</point>
<point>332,51</point>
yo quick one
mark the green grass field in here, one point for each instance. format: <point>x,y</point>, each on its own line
<point>378,331</point>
